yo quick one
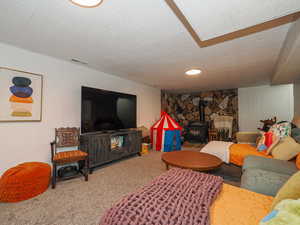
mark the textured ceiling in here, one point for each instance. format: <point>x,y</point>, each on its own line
<point>140,40</point>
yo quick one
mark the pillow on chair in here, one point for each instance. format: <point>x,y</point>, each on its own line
<point>287,149</point>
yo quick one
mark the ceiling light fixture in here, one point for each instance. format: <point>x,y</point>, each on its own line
<point>87,3</point>
<point>193,72</point>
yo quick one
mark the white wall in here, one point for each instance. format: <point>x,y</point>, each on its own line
<point>263,102</point>
<point>28,141</point>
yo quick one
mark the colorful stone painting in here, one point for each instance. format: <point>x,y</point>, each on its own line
<point>21,100</point>
<point>20,96</point>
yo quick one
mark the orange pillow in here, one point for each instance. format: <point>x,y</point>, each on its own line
<point>298,161</point>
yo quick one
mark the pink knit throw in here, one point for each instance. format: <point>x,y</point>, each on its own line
<point>178,197</point>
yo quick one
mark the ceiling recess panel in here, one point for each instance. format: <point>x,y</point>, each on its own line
<point>214,18</point>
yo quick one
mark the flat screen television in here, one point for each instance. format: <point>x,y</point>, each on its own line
<point>103,110</point>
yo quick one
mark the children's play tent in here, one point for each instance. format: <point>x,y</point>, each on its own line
<point>165,134</point>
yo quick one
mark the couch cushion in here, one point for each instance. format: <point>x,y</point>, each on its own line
<point>290,190</point>
<point>227,208</point>
<point>296,134</point>
<point>274,165</point>
<point>263,181</point>
<point>287,149</point>
<point>247,137</point>
<point>238,152</point>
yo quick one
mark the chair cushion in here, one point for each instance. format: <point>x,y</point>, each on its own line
<point>290,190</point>
<point>69,156</point>
<point>24,181</point>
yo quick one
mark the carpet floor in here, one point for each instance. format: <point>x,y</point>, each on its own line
<point>76,202</point>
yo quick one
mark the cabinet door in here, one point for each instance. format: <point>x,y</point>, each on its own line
<point>135,143</point>
<point>101,149</point>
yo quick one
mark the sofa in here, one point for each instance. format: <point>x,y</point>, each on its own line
<point>284,148</point>
<point>265,175</point>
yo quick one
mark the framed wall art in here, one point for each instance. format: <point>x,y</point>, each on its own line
<point>21,95</point>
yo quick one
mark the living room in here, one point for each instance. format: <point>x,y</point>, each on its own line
<point>249,59</point>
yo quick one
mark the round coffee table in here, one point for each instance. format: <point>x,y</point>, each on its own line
<point>191,160</point>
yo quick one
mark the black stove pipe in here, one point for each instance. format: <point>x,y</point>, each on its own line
<point>202,105</point>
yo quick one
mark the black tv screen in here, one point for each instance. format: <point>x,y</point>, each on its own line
<point>103,110</point>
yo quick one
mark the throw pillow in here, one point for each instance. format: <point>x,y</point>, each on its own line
<point>269,139</point>
<point>285,212</point>
<point>281,129</point>
<point>275,141</point>
<point>298,161</point>
<point>290,190</point>
<point>287,149</point>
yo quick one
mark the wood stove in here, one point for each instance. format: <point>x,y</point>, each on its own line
<point>197,131</point>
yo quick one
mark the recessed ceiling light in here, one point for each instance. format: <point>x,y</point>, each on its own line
<point>193,72</point>
<point>87,3</point>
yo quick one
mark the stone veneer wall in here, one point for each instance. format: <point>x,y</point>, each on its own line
<point>184,107</point>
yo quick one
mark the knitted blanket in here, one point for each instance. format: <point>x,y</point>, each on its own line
<point>177,197</point>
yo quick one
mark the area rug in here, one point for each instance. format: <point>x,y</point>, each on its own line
<point>178,196</point>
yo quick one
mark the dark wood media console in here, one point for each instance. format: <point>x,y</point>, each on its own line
<point>98,146</point>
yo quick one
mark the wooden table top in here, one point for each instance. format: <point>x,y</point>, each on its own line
<point>192,160</point>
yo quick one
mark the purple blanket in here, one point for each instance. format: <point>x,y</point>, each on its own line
<point>178,197</point>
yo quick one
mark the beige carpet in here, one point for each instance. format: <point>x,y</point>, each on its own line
<point>76,202</point>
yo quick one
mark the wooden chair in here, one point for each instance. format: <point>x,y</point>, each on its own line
<point>212,135</point>
<point>67,137</point>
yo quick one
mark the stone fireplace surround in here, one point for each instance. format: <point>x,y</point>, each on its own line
<point>184,108</point>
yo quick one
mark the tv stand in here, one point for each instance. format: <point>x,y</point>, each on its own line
<point>98,146</point>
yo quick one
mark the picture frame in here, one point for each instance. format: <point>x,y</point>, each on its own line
<point>21,96</point>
